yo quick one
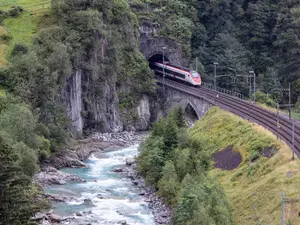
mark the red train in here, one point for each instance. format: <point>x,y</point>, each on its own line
<point>177,72</point>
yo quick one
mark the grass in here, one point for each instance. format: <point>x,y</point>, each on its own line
<point>294,114</point>
<point>22,28</point>
<point>254,188</point>
<point>2,92</point>
<point>31,5</point>
<point>3,46</point>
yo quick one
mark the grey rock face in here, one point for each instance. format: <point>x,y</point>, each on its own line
<point>143,110</point>
<point>73,100</point>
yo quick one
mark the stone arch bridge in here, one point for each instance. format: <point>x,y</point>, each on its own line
<point>194,106</point>
<point>152,49</point>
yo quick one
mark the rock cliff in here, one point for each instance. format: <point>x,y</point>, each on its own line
<point>109,94</point>
<point>92,99</point>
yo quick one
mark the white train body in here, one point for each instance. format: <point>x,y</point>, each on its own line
<point>177,72</point>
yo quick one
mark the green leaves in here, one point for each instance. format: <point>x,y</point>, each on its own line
<point>178,167</point>
<point>15,184</point>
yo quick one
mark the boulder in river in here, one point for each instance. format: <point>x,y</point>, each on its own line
<point>39,216</point>
<point>129,161</point>
<point>118,170</point>
<point>122,222</point>
<point>87,201</point>
<point>79,214</point>
<point>55,218</point>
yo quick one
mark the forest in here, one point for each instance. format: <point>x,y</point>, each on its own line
<point>178,167</point>
<point>241,36</point>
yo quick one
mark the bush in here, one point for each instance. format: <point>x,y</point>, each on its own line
<point>168,185</point>
<point>44,148</point>
<point>264,99</point>
<point>3,15</point>
<point>297,106</point>
<point>19,49</point>
<point>201,202</point>
<point>15,11</point>
<point>19,122</point>
<point>151,160</point>
<point>28,159</point>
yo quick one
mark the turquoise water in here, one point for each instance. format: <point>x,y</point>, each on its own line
<point>114,198</point>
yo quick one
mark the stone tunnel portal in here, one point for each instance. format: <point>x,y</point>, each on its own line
<point>158,58</point>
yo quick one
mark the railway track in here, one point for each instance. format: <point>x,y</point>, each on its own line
<point>279,125</point>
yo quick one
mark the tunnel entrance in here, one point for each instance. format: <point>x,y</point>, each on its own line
<point>158,58</point>
<point>190,115</point>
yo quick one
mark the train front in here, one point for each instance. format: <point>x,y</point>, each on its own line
<point>196,78</point>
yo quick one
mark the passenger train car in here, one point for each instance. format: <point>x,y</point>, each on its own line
<point>177,72</point>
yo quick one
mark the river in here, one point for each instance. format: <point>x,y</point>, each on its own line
<point>106,197</point>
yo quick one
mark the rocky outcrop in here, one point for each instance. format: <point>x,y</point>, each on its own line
<point>50,175</point>
<point>143,111</point>
<point>91,97</point>
<point>57,198</point>
<point>48,218</point>
<point>73,99</point>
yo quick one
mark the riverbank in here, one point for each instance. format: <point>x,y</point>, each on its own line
<point>162,213</point>
<point>75,157</point>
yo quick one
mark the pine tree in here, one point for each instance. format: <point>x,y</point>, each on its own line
<point>16,207</point>
<point>179,117</point>
<point>170,136</point>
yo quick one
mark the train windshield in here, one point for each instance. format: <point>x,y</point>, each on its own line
<point>195,74</point>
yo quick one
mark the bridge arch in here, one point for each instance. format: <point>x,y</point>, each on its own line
<point>191,112</point>
<point>194,108</point>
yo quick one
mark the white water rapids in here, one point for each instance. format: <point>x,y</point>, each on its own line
<point>106,197</point>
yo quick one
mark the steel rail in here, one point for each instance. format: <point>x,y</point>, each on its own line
<point>242,108</point>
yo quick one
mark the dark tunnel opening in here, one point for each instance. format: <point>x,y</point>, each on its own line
<point>157,58</point>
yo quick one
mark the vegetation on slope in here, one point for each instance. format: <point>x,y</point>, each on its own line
<point>22,144</point>
<point>254,188</point>
<point>33,119</point>
<point>178,166</point>
<point>240,35</point>
<point>20,20</point>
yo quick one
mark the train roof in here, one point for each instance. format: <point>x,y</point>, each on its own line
<point>177,66</point>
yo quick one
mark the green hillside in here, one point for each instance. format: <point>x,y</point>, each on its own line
<point>254,187</point>
<point>30,5</point>
<point>20,29</point>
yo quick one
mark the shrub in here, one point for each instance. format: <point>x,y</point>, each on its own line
<point>264,99</point>
<point>44,148</point>
<point>297,106</point>
<point>19,49</point>
<point>28,159</point>
<point>201,202</point>
<point>151,160</point>
<point>168,185</point>
<point>15,11</point>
